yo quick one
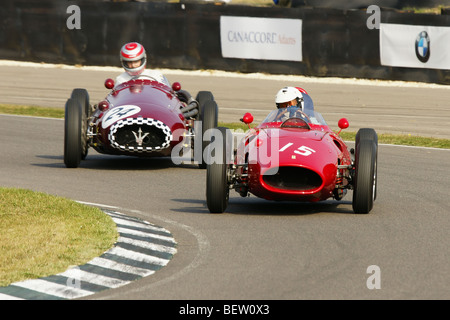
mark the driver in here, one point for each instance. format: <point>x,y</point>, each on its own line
<point>134,60</point>
<point>289,101</point>
<point>290,96</point>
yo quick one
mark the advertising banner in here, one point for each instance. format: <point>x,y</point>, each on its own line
<point>415,46</point>
<point>261,38</point>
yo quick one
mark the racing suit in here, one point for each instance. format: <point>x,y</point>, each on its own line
<point>158,76</point>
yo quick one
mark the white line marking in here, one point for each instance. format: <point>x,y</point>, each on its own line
<point>145,234</point>
<point>82,275</point>
<point>138,256</point>
<point>113,265</point>
<point>147,245</point>
<point>54,289</point>
<point>8,297</point>
<point>141,225</point>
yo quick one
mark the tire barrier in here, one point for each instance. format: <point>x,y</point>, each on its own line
<point>334,42</point>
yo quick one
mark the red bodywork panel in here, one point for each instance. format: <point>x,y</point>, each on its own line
<point>141,100</point>
<point>297,164</point>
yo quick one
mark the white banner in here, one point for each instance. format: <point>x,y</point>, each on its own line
<point>414,46</point>
<point>261,38</point>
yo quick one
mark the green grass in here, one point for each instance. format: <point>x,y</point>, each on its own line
<point>41,234</point>
<point>31,111</point>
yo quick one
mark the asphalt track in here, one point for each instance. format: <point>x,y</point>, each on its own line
<point>258,249</point>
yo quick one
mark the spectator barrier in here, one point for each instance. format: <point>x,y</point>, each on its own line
<point>277,40</point>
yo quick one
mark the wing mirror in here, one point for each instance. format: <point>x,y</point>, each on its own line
<point>343,124</point>
<point>247,119</point>
<point>109,83</point>
<point>176,86</point>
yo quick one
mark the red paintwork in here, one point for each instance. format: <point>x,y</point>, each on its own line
<point>318,149</point>
<point>109,83</point>
<point>248,118</point>
<point>156,101</point>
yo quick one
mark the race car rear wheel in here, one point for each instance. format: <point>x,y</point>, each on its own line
<point>365,177</point>
<point>209,116</point>
<point>82,97</point>
<point>217,189</point>
<point>72,134</point>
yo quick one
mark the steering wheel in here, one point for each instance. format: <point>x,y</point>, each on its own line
<point>295,122</point>
<point>144,75</point>
<point>297,114</point>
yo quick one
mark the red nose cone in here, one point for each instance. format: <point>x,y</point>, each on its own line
<point>343,123</point>
<point>176,86</point>
<point>109,84</point>
<point>248,118</point>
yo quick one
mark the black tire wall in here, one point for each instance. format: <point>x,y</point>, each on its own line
<point>336,42</point>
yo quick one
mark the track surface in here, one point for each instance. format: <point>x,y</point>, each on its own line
<point>258,249</point>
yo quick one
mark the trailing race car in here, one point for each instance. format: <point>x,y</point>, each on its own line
<point>141,117</point>
<point>294,156</point>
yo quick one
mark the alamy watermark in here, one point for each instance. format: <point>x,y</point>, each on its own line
<point>374,280</point>
<point>74,20</point>
<point>258,148</point>
<point>373,21</point>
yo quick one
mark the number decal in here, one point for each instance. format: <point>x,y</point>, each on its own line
<point>118,113</point>
<point>303,150</point>
<point>286,146</point>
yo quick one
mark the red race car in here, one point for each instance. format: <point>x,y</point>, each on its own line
<point>141,117</point>
<point>294,156</point>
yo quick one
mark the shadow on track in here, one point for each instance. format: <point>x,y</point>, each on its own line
<point>111,162</point>
<point>257,206</point>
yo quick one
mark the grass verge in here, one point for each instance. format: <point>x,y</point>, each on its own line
<point>43,235</point>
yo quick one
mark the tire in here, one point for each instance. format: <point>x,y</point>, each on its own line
<point>82,97</point>
<point>72,134</point>
<point>365,177</point>
<point>217,188</point>
<point>209,118</point>
<point>368,134</point>
<point>202,98</point>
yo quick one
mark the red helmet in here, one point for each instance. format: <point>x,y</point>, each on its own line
<point>131,52</point>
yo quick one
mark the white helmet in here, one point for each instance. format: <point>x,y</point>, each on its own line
<point>287,94</point>
<point>133,51</point>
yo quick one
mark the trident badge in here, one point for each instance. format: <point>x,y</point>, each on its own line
<point>139,137</point>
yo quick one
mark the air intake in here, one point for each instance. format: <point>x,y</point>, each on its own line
<point>292,178</point>
<point>140,135</point>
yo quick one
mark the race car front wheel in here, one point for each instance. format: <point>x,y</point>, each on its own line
<point>73,150</point>
<point>217,189</point>
<point>209,118</point>
<point>82,97</point>
<point>365,178</point>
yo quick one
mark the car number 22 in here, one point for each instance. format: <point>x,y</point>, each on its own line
<point>118,113</point>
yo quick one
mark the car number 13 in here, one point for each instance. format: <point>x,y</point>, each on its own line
<point>303,150</point>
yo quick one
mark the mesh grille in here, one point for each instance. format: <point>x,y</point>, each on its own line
<point>140,135</point>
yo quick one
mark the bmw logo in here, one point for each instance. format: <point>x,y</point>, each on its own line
<point>423,46</point>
